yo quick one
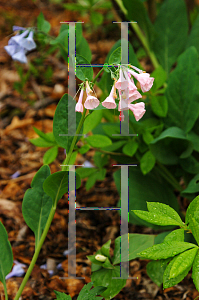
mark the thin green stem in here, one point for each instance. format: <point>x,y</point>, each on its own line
<point>141,37</point>
<point>168,176</point>
<point>98,74</point>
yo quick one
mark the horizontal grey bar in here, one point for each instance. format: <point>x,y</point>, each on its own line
<point>98,208</point>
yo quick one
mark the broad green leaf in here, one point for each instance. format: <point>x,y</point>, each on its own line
<point>182,262</point>
<point>183,85</point>
<point>147,137</point>
<point>85,172</point>
<point>194,138</point>
<point>50,155</point>
<point>195,271</point>
<point>159,105</point>
<point>137,243</point>
<point>84,50</point>
<point>193,36</point>
<point>114,146</point>
<point>84,72</point>
<point>130,148</point>
<point>42,24</point>
<point>98,141</point>
<point>92,121</point>
<point>115,57</point>
<point>190,164</point>
<point>160,77</point>
<point>39,142</point>
<point>100,159</point>
<point>87,293</point>
<point>193,206</point>
<point>62,296</point>
<point>155,270</point>
<point>168,45</point>
<point>37,204</point>
<point>175,236</point>
<point>166,250</point>
<point>105,250</point>
<point>194,225</point>
<point>56,185</point>
<point>147,162</point>
<point>193,186</point>
<point>170,146</point>
<point>6,256</point>
<point>169,282</point>
<point>165,211</point>
<point>99,175</point>
<point>139,187</point>
<point>84,149</point>
<point>137,12</point>
<point>60,122</point>
<point>104,277</point>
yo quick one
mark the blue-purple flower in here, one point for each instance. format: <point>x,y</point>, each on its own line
<point>20,44</point>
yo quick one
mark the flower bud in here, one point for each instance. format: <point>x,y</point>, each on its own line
<point>100,257</point>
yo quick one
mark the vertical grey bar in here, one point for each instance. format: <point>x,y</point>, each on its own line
<point>124,60</point>
<point>72,225</point>
<point>124,220</point>
<point>71,81</point>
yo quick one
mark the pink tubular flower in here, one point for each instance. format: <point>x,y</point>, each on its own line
<point>79,105</point>
<point>144,79</point>
<point>123,81</point>
<point>109,102</point>
<point>91,101</point>
<point>138,110</point>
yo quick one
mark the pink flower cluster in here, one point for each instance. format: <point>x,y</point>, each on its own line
<point>127,93</point>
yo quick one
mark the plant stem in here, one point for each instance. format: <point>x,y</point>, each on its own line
<point>98,75</point>
<point>141,36</point>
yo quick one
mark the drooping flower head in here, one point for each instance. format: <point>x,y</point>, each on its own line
<point>91,101</point>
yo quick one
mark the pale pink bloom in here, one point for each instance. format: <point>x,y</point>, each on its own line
<point>132,95</point>
<point>79,105</point>
<point>138,110</point>
<point>144,79</point>
<point>109,102</point>
<point>91,102</point>
<point>123,81</point>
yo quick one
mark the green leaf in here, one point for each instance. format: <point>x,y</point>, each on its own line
<point>139,187</point>
<point>147,137</point>
<point>137,243</point>
<point>84,149</point>
<point>37,204</point>
<point>39,142</point>
<point>84,50</point>
<point>195,271</point>
<point>92,121</point>
<point>100,159</point>
<point>115,57</point>
<point>98,141</point>
<point>56,185</point>
<point>155,270</point>
<point>48,137</point>
<point>104,277</point>
<point>96,17</point>
<point>83,72</point>
<point>183,85</point>
<point>85,172</point>
<point>6,256</point>
<point>193,206</point>
<point>137,12</point>
<point>130,148</point>
<point>190,164</point>
<point>160,77</point>
<point>175,236</point>
<point>182,262</point>
<point>171,145</point>
<point>169,282</point>
<point>99,175</point>
<point>50,155</point>
<point>60,122</point>
<point>166,250</point>
<point>194,138</point>
<point>193,36</point>
<point>193,186</point>
<point>105,250</point>
<point>147,162</point>
<point>62,296</point>
<point>194,225</point>
<point>159,105</point>
<point>168,45</point>
<point>114,146</point>
<point>42,24</point>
